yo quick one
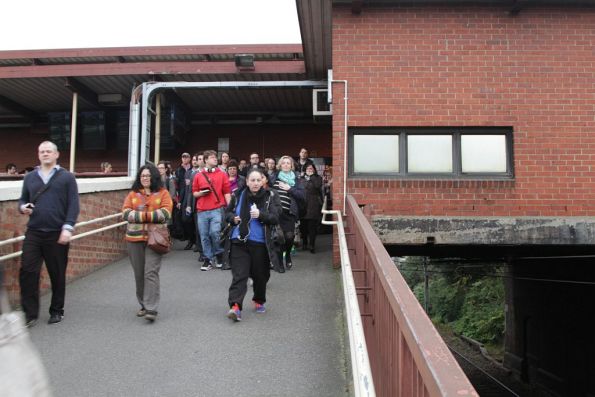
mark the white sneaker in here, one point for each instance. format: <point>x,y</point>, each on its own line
<point>206,266</point>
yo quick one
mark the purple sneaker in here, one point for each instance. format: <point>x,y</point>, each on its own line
<point>235,313</point>
<point>259,307</point>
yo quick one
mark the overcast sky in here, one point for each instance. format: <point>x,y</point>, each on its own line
<point>43,24</point>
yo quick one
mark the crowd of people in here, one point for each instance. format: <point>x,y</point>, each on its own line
<point>236,215</point>
<point>12,170</point>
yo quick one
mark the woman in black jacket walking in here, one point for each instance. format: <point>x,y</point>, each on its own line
<point>252,212</point>
<point>291,194</point>
<point>311,218</point>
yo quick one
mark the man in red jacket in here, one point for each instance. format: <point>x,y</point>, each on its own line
<point>212,192</point>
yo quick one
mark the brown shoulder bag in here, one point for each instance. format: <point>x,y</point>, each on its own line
<point>159,239</point>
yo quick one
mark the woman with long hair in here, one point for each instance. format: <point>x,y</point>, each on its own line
<point>147,203</point>
<point>291,191</point>
<point>310,220</point>
<point>252,212</point>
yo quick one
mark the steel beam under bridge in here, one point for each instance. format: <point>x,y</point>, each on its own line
<point>142,95</point>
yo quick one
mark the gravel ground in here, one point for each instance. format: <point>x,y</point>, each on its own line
<point>484,386</point>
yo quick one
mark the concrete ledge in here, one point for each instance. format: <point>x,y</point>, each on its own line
<point>485,230</point>
<point>11,190</point>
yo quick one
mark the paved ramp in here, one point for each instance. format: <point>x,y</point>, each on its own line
<point>295,349</point>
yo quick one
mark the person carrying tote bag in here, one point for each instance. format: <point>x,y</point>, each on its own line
<point>148,206</point>
<point>21,371</point>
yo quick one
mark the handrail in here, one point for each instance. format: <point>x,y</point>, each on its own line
<point>423,364</point>
<point>362,373</point>
<point>75,237</point>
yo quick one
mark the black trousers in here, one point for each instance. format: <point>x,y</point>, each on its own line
<point>37,248</point>
<point>189,228</point>
<point>309,230</point>
<point>248,260</point>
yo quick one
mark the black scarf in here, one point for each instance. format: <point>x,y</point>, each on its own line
<point>250,198</point>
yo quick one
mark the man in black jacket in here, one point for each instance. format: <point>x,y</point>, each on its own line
<point>183,182</point>
<point>254,163</point>
<point>50,199</point>
<point>303,162</point>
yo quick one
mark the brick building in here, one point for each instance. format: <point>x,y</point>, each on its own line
<point>469,132</point>
<point>465,127</point>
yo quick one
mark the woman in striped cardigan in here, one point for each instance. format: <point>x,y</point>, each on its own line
<point>148,202</point>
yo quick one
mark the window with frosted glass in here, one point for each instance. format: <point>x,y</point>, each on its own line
<point>483,153</point>
<point>376,153</point>
<point>429,153</point>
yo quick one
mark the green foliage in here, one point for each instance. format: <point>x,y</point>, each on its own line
<point>470,299</point>
<point>482,313</point>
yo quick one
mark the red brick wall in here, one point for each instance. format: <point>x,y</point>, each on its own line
<point>86,255</point>
<point>267,140</point>
<point>474,66</point>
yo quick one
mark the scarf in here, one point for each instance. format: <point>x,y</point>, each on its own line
<point>287,177</point>
<point>246,200</point>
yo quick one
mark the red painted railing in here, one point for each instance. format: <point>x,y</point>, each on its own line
<point>407,355</point>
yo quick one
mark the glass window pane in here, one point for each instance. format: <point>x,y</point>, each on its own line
<point>429,153</point>
<point>376,153</point>
<point>483,153</point>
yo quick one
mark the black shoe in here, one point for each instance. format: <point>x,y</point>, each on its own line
<point>150,315</point>
<point>189,245</point>
<point>219,261</point>
<point>55,318</point>
<point>206,266</point>
<point>31,322</point>
<point>226,266</point>
<point>312,250</point>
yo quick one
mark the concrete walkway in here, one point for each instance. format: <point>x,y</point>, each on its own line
<point>295,349</point>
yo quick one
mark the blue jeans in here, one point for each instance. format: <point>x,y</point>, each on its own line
<point>209,225</point>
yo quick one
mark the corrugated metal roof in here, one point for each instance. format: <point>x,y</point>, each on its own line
<point>112,84</point>
<point>147,58</point>
<point>78,60</point>
<point>15,62</point>
<point>39,95</point>
<point>247,100</point>
<point>49,94</point>
<point>233,77</point>
<point>163,58</point>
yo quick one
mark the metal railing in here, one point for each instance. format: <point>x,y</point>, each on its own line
<point>363,383</point>
<point>407,355</point>
<point>75,237</point>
